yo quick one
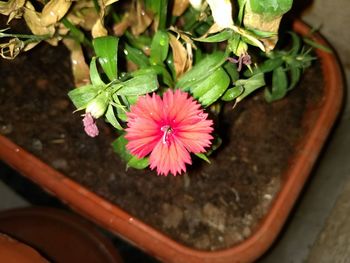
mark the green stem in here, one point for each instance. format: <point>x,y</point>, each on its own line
<point>76,33</point>
<point>162,14</point>
<point>34,38</point>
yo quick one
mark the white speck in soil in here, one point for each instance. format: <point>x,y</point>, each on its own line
<point>6,129</point>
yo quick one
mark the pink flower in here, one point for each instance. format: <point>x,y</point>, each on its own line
<point>168,129</point>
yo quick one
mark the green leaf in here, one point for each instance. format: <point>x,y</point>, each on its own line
<point>119,146</point>
<point>139,85</point>
<point>242,4</point>
<point>267,66</point>
<point>83,95</point>
<point>165,75</point>
<point>211,88</point>
<point>250,85</point>
<point>137,56</point>
<point>232,71</point>
<point>262,34</point>
<point>314,44</point>
<point>201,70</point>
<point>203,157</point>
<point>296,43</point>
<point>106,48</point>
<point>279,85</point>
<point>138,163</point>
<point>94,75</point>
<point>159,48</point>
<point>232,93</point>
<point>120,111</point>
<point>270,8</point>
<point>75,32</point>
<point>110,116</point>
<point>219,37</point>
<point>295,74</point>
<point>160,9</point>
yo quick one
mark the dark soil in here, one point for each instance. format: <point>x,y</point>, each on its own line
<point>211,207</point>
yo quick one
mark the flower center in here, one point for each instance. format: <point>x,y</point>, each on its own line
<point>167,130</point>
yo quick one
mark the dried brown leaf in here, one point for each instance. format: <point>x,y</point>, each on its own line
<point>179,7</point>
<point>83,14</point>
<point>182,58</point>
<point>80,69</point>
<point>11,49</point>
<point>54,11</point>
<point>12,8</point>
<point>99,30</point>
<point>258,22</point>
<point>33,21</point>
<point>140,20</point>
<point>122,26</point>
<point>109,2</point>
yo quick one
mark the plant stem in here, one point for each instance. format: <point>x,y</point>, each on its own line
<point>76,33</point>
<point>25,36</point>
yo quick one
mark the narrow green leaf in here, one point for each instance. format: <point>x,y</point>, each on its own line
<point>250,85</point>
<point>295,74</point>
<point>262,34</point>
<point>296,44</point>
<point>203,157</point>
<point>314,44</point>
<point>159,48</point>
<point>120,111</point>
<point>232,93</point>
<point>279,85</point>
<point>165,75</point>
<point>106,48</point>
<point>267,66</point>
<point>75,32</point>
<point>242,4</point>
<point>137,56</point>
<point>138,163</point>
<point>83,95</point>
<point>110,116</point>
<point>94,74</point>
<point>232,71</point>
<point>160,9</point>
<point>219,37</point>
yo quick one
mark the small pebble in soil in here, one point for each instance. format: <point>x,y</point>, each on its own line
<point>60,164</point>
<point>6,129</point>
<point>37,145</point>
<point>193,217</point>
<point>214,216</point>
<point>203,242</point>
<point>172,215</point>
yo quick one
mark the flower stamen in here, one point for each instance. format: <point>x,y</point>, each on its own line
<point>166,129</point>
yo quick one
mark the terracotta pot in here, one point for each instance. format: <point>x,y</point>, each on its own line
<point>59,236</point>
<point>13,251</point>
<point>162,247</point>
